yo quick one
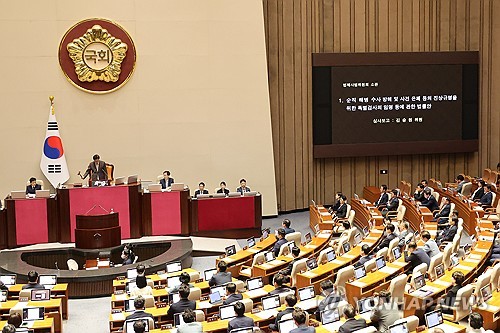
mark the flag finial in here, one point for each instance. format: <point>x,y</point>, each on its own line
<point>51,98</point>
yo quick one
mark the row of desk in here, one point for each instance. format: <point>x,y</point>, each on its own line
<point>43,220</point>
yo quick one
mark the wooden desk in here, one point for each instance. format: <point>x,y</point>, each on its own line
<point>96,263</point>
<point>157,279</point>
<point>53,306</point>
<point>490,312</point>
<point>165,213</point>
<point>320,216</point>
<point>39,326</point>
<point>59,291</point>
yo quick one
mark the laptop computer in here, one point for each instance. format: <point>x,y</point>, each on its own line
<point>454,260</point>
<point>433,319</point>
<point>250,194</point>
<point>269,256</point>
<point>129,305</point>
<point>330,255</point>
<point>173,267</point>
<point>18,194</point>
<point>380,262</point>
<point>131,273</point>
<point>366,231</point>
<point>396,252</point>
<point>209,273</point>
<point>40,295</point>
<point>330,319</point>
<point>265,233</point>
<point>226,312</point>
<point>439,270</point>
<point>173,298</point>
<point>120,181</point>
<point>230,250</point>
<point>48,281</point>
<point>33,313</point>
<point>357,239</point>
<point>154,187</point>
<point>203,196</point>
<point>177,187</point>
<point>8,279</point>
<point>308,238</point>
<point>285,326</point>
<point>254,283</point>
<point>419,281</point>
<point>486,293</point>
<point>42,193</point>
<point>307,298</point>
<point>24,330</point>
<point>234,194</point>
<point>129,286</point>
<point>178,320</point>
<point>270,305</point>
<point>399,328</point>
<point>220,289</point>
<point>311,263</point>
<point>215,298</point>
<point>173,281</point>
<point>3,295</point>
<point>251,242</point>
<point>365,305</point>
<point>346,247</point>
<point>130,324</point>
<point>132,179</point>
<point>359,272</point>
<point>316,229</point>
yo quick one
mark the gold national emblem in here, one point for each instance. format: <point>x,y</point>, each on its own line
<point>97,55</point>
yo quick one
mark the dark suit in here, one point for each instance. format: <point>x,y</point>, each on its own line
<point>35,285</point>
<point>280,314</point>
<point>98,172</point>
<point>303,329</point>
<point>198,192</point>
<point>352,325</point>
<point>329,303</point>
<point>382,200</point>
<point>180,306</point>
<point>449,300</point>
<point>165,184</point>
<point>430,203</point>
<point>240,189</point>
<point>386,241</point>
<point>279,290</point>
<point>220,278</point>
<point>449,234</point>
<point>342,211</point>
<point>288,230</point>
<point>478,194</point>
<point>393,204</point>
<point>336,206</point>
<point>232,298</point>
<point>444,213</point>
<point>486,199</point>
<point>288,269</point>
<point>417,257</point>
<point>277,246</point>
<point>226,191</point>
<point>139,314</point>
<point>32,190</point>
<point>362,260</point>
<point>240,322</point>
<point>419,196</point>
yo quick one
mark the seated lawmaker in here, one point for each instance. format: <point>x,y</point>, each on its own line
<point>448,234</point>
<point>290,301</point>
<point>419,193</point>
<point>430,247</point>
<point>15,319</point>
<point>342,210</point>
<point>286,226</point>
<point>223,188</point>
<point>487,198</point>
<point>389,236</point>
<point>332,210</point>
<point>476,323</point>
<point>231,294</point>
<point>142,288</point>
<point>365,256</point>
<point>386,312</point>
<point>429,201</point>
<point>139,305</point>
<point>200,190</point>
<point>126,257</point>
<point>279,284</point>
<point>240,321</point>
<point>331,300</point>
<point>404,231</point>
<point>9,329</point>
<point>190,324</point>
<point>448,301</point>
<point>351,324</point>
<point>479,192</point>
<point>243,186</point>
<point>383,199</point>
<point>443,214</point>
<point>167,181</point>
<point>183,304</point>
<point>415,256</point>
<point>295,253</point>
<point>33,186</point>
<point>300,316</point>
<point>281,240</point>
<point>393,203</point>
<point>184,278</point>
<point>221,277</point>
<point>460,183</point>
<point>33,281</point>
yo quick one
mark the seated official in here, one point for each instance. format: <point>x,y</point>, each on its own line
<point>429,201</point>
<point>167,181</point>
<point>223,188</point>
<point>141,270</point>
<point>279,284</point>
<point>96,169</point>
<point>479,192</point>
<point>295,254</point>
<point>33,281</point>
<point>365,256</point>
<point>351,324</point>
<point>332,210</point>
<point>130,248</point>
<point>190,324</point>
<point>447,235</point>
<point>389,236</point>
<point>183,304</point>
<point>139,305</point>
<point>126,257</point>
<point>426,184</point>
<point>281,240</point>
<point>15,319</point>
<point>392,205</point>
<point>342,210</point>
<point>286,226</point>
<point>331,300</point>
<point>476,323</point>
<point>184,279</point>
<point>221,276</point>
<point>9,329</point>
<point>33,186</point>
<point>383,199</point>
<point>430,247</point>
<point>139,326</point>
<point>404,230</point>
<point>231,294</point>
<point>243,186</point>
<point>290,301</point>
<point>386,312</point>
<point>419,193</point>
<point>300,317</point>
<point>444,213</point>
<point>445,304</point>
<point>241,321</point>
<point>200,190</point>
<point>460,183</point>
<point>415,256</point>
<point>142,288</point>
<point>487,198</point>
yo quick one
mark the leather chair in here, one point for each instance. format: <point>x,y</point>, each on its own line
<point>447,255</point>
<point>343,276</point>
<point>258,259</point>
<point>383,252</point>
<point>461,308</point>
<point>298,266</point>
<point>397,288</point>
<point>493,214</point>
<point>110,169</point>
<point>284,250</point>
<point>466,189</point>
<point>370,265</point>
<point>411,323</point>
<point>200,315</point>
<point>481,281</point>
<point>369,329</point>
<point>194,294</point>
<point>495,276</point>
<point>322,255</point>
<point>296,237</point>
<point>149,301</point>
<point>72,265</point>
<point>392,245</point>
<point>435,261</point>
<point>248,304</point>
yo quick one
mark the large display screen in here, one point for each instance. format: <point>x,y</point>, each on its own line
<point>367,104</point>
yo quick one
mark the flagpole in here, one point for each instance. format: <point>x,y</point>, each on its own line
<point>51,98</point>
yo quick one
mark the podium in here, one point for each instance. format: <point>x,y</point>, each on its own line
<point>97,231</point>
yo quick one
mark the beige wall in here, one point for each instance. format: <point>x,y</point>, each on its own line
<point>295,29</point>
<point>197,104</point>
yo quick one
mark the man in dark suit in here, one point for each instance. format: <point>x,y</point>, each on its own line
<point>448,234</point>
<point>290,301</point>
<point>393,203</point>
<point>139,305</point>
<point>243,186</point>
<point>342,211</point>
<point>365,251</point>
<point>331,299</point>
<point>231,294</point>
<point>351,324</point>
<point>442,216</point>
<point>389,236</point>
<point>200,190</point>
<point>299,316</point>
<point>241,320</point>
<point>33,186</point>
<point>383,199</point>
<point>288,270</point>
<point>182,304</point>
<point>479,192</point>
<point>415,256</point>
<point>279,288</point>
<point>281,240</point>
<point>458,279</point>
<point>221,277</point>
<point>487,198</point>
<point>167,181</point>
<point>429,201</point>
<point>419,193</point>
<point>33,281</point>
<point>286,226</point>
<point>223,188</point>
<point>336,206</point>
<point>96,169</point>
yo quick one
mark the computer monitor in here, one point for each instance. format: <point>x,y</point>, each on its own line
<point>230,250</point>
<point>3,295</point>
<point>439,270</point>
<point>269,256</point>
<point>454,260</point>
<point>308,238</point>
<point>129,286</point>
<point>433,319</point>
<point>130,324</point>
<point>131,274</point>
<point>285,326</point>
<point>215,297</point>
<point>47,280</point>
<point>366,231</point>
<point>330,255</point>
<point>226,312</point>
<point>33,313</point>
<point>306,293</point>
<point>366,304</point>
<point>173,281</point>
<point>178,320</point>
<point>129,305</point>
<point>8,279</point>
<point>360,272</point>
<point>467,248</point>
<point>380,261</point>
<point>255,283</point>
<point>265,233</point>
<point>396,252</point>
<point>251,242</point>
<point>173,267</point>
<point>486,293</point>
<point>209,273</point>
<point>311,263</point>
<point>419,281</point>
<point>220,289</point>
<point>346,247</point>
<point>132,179</point>
<point>271,302</point>
<point>330,316</point>
<point>399,328</point>
<point>357,239</point>
<point>174,298</point>
<point>40,294</point>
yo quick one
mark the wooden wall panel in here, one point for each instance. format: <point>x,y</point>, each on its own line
<point>295,29</point>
